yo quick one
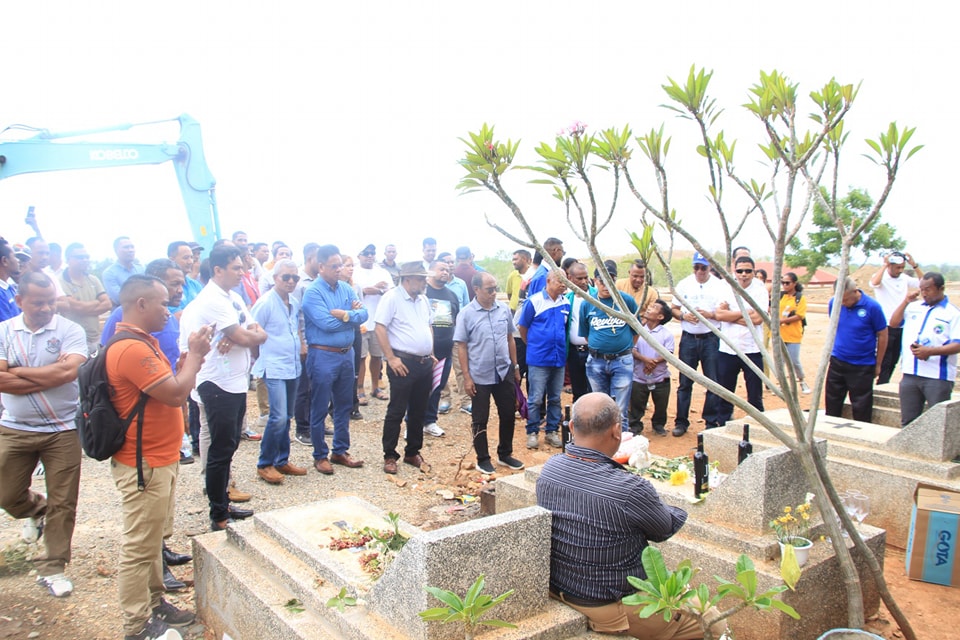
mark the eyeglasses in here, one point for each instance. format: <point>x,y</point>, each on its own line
<point>744,270</point>
<point>701,267</point>
<point>786,283</point>
<point>491,289</point>
<point>287,277</point>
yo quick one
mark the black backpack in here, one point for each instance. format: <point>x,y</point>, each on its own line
<point>102,431</point>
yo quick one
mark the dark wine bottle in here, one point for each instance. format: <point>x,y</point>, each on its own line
<point>701,469</point>
<point>744,449</point>
<point>565,428</point>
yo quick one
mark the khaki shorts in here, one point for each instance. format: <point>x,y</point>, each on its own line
<point>617,618</point>
<point>370,345</point>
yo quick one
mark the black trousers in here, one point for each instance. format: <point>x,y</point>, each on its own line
<point>409,395</point>
<point>892,355</point>
<point>577,368</point>
<point>639,395</point>
<point>505,398</point>
<point>225,413</point>
<point>857,380</point>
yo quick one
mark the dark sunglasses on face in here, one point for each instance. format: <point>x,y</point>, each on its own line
<point>744,270</point>
<point>700,267</point>
<point>786,283</point>
<point>491,289</point>
<point>287,277</point>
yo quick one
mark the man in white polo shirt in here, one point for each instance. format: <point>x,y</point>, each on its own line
<point>373,281</point>
<point>40,353</point>
<point>222,382</point>
<point>406,337</point>
<point>932,327</point>
<point>890,287</point>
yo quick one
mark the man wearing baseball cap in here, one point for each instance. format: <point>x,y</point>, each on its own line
<point>698,345</point>
<point>890,287</point>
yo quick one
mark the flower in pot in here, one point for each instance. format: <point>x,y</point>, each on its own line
<point>792,528</point>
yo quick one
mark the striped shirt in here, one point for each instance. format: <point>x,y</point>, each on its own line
<point>603,518</point>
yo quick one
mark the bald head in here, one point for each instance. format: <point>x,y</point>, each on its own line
<point>594,413</point>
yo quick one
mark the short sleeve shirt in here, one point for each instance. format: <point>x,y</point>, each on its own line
<point>222,309</point>
<point>88,290</point>
<point>930,326</point>
<point>704,296</point>
<point>407,320</point>
<point>484,333</point>
<point>792,333</point>
<point>132,367</point>
<point>740,334</point>
<point>891,291</point>
<point>279,357</point>
<point>856,341</point>
<point>46,411</point>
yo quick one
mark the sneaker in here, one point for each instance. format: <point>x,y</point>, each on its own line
<point>262,420</point>
<point>533,440</point>
<point>444,407</point>
<point>484,467</point>
<point>304,439</point>
<point>58,584</point>
<point>356,415</point>
<point>186,458</point>
<point>467,409</point>
<point>174,617</point>
<point>155,629</point>
<point>433,429</point>
<point>32,529</point>
<point>40,471</point>
<point>511,462</point>
<point>250,434</point>
<point>804,388</point>
<point>552,438</point>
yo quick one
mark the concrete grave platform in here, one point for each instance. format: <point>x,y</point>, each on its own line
<point>246,576</point>
<point>886,405</point>
<point>885,463</point>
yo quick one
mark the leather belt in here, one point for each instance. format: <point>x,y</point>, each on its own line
<point>409,356</point>
<point>323,347</point>
<point>580,602</point>
<point>609,356</point>
<point>698,336</point>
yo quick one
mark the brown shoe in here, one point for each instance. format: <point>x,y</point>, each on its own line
<point>269,475</point>
<point>346,460</point>
<point>235,495</point>
<point>390,465</point>
<point>418,462</point>
<point>291,469</point>
<point>323,466</point>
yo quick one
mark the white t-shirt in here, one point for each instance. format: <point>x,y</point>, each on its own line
<point>699,296</point>
<point>222,309</point>
<point>891,291</point>
<point>363,278</point>
<point>930,327</point>
<point>739,334</point>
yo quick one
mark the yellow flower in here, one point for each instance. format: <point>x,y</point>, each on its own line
<point>787,509</point>
<point>806,516</point>
<point>680,476</point>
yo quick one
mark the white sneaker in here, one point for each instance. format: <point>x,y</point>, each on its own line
<point>804,388</point>
<point>32,529</point>
<point>262,420</point>
<point>58,584</point>
<point>433,429</point>
<point>552,438</point>
<point>533,441</point>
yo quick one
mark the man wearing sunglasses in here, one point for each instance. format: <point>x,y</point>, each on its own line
<point>733,324</point>
<point>698,345</point>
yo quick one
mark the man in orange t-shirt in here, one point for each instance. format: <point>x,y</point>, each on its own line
<point>136,366</point>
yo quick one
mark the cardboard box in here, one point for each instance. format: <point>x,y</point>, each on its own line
<point>932,554</point>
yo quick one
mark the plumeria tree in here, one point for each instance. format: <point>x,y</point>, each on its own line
<point>800,155</point>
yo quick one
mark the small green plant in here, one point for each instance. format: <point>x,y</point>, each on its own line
<point>341,601</point>
<point>390,540</point>
<point>469,611</point>
<point>667,592</point>
<point>15,559</point>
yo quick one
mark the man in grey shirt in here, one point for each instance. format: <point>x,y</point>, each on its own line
<point>488,359</point>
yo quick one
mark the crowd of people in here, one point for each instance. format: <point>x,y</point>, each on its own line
<point>188,334</point>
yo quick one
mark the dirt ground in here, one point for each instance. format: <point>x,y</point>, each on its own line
<point>91,612</point>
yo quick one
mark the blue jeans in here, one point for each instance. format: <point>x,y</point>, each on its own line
<point>694,350</point>
<point>433,404</point>
<point>275,445</point>
<point>544,381</point>
<point>331,379</point>
<point>614,378</point>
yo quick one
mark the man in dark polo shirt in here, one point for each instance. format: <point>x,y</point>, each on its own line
<point>444,308</point>
<point>603,518</point>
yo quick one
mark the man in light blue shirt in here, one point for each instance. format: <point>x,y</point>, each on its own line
<point>117,273</point>
<point>331,313</point>
<point>279,366</point>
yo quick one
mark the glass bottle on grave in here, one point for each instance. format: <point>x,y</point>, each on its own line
<point>701,469</point>
<point>745,448</point>
<point>565,428</point>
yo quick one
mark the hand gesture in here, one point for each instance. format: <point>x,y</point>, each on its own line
<point>396,364</point>
<point>912,294</point>
<point>199,341</point>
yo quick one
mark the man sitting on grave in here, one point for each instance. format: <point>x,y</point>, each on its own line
<point>603,518</point>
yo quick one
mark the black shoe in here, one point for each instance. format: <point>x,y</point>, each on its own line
<point>155,629</point>
<point>304,439</point>
<point>240,514</point>
<point>173,558</point>
<point>328,431</point>
<point>660,431</point>
<point>185,459</point>
<point>679,431</point>
<point>215,526</point>
<point>170,582</point>
<point>356,415</point>
<point>173,616</point>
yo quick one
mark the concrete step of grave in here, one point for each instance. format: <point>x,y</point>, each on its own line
<point>883,415</point>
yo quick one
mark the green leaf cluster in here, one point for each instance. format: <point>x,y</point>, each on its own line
<point>469,610</point>
<point>485,160</point>
<point>341,601</point>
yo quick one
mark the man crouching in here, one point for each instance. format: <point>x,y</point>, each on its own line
<point>603,517</point>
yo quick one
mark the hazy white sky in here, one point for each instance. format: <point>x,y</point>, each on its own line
<point>338,122</point>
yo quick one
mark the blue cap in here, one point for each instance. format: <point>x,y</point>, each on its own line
<point>699,259</point>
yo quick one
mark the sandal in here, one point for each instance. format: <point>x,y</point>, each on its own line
<point>362,399</point>
<point>379,394</point>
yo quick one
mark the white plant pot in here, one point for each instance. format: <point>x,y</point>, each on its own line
<point>801,549</point>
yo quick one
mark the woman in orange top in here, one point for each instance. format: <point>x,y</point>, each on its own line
<point>793,310</point>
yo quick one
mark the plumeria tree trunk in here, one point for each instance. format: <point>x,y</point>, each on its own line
<point>798,163</point>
